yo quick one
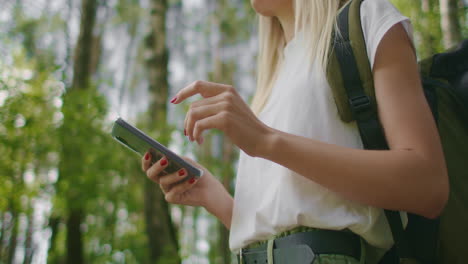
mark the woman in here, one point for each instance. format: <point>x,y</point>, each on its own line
<point>301,169</point>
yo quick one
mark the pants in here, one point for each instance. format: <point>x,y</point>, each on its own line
<point>369,254</point>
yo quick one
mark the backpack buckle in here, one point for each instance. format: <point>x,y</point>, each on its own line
<point>359,103</point>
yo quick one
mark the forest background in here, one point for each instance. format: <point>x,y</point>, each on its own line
<point>68,68</point>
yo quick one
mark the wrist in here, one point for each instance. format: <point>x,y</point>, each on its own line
<point>266,144</point>
<point>220,204</point>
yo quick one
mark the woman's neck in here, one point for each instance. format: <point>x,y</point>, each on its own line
<point>287,23</point>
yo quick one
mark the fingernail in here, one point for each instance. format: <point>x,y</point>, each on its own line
<point>192,180</point>
<point>174,99</point>
<point>185,132</point>
<point>147,156</point>
<point>181,172</point>
<point>163,162</point>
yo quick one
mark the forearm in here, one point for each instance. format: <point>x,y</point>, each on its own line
<point>220,204</point>
<point>393,179</point>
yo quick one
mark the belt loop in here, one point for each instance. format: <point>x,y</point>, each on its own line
<point>240,257</point>
<point>271,242</point>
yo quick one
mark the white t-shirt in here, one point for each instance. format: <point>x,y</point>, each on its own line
<point>270,198</point>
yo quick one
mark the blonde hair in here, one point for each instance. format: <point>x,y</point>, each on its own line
<point>316,19</point>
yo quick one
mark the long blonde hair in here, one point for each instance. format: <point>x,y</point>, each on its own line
<point>316,19</point>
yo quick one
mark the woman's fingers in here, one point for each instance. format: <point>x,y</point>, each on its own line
<point>174,194</point>
<point>194,108</point>
<point>146,161</point>
<point>199,113</point>
<point>218,121</point>
<point>155,170</point>
<point>205,89</point>
<point>210,100</point>
<point>170,179</point>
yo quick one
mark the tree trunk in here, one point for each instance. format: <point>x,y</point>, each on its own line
<point>159,228</point>
<point>74,237</point>
<point>161,232</point>
<point>157,62</point>
<point>450,23</point>
<point>82,72</point>
<point>13,236</point>
<point>425,5</point>
<point>28,245</point>
<point>54,222</point>
<point>82,68</point>
<point>2,235</point>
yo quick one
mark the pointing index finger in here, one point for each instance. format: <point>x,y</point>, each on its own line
<point>205,89</point>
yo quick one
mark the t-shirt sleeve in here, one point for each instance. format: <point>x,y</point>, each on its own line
<point>377,18</point>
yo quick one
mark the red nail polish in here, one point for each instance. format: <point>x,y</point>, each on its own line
<point>147,156</point>
<point>181,173</point>
<point>174,99</point>
<point>163,162</point>
<point>192,181</point>
<point>185,132</point>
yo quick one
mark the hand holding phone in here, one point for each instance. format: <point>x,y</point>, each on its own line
<point>139,142</point>
<point>207,192</point>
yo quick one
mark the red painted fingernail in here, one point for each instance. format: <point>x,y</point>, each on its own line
<point>174,99</point>
<point>185,132</point>
<point>163,162</point>
<point>181,173</point>
<point>192,180</point>
<point>147,156</point>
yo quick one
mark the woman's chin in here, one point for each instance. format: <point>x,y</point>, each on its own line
<point>265,13</point>
<point>262,7</point>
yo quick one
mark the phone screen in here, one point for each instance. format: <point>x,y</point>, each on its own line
<point>139,142</point>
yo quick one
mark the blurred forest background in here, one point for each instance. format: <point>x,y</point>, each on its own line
<point>68,68</point>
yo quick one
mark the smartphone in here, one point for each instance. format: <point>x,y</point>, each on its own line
<point>137,141</point>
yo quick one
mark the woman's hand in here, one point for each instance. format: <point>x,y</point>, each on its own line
<point>207,191</point>
<point>222,108</point>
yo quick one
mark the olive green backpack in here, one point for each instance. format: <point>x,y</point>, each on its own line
<point>445,82</point>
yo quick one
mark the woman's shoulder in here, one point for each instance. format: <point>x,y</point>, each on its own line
<point>377,18</point>
<point>379,7</point>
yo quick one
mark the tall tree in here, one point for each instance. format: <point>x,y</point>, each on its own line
<point>450,22</point>
<point>13,234</point>
<point>162,237</point>
<point>72,157</point>
<point>28,244</point>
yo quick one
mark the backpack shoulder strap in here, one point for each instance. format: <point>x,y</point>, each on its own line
<point>351,80</point>
<point>350,77</point>
<point>349,41</point>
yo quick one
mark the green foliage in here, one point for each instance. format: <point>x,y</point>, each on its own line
<point>32,135</point>
<point>129,12</point>
<point>426,22</point>
<point>29,115</point>
<point>99,175</point>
